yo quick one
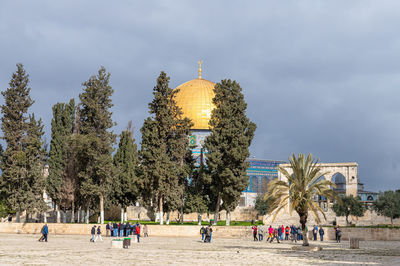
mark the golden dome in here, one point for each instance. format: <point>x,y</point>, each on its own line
<point>195,100</point>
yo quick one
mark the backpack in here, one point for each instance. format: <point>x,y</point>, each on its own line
<point>202,231</point>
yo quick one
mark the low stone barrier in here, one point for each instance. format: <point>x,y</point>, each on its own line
<point>194,231</point>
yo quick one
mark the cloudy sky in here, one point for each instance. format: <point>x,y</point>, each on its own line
<point>320,77</point>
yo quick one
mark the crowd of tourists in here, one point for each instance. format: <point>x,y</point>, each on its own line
<point>288,233</point>
<point>120,230</point>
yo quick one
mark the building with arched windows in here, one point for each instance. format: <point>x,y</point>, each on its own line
<point>195,97</point>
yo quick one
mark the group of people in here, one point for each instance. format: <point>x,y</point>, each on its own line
<point>280,233</point>
<point>120,230</point>
<point>206,233</point>
<point>127,229</point>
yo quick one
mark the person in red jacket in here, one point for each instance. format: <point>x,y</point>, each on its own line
<point>137,231</point>
<point>287,232</point>
<point>255,233</point>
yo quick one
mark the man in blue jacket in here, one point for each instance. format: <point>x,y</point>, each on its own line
<point>45,232</point>
<point>321,233</point>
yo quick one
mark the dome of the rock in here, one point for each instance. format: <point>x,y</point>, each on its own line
<point>195,100</point>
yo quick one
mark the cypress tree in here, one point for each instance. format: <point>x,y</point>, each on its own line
<point>35,161</point>
<point>95,125</point>
<point>61,130</point>
<point>24,158</point>
<point>14,126</point>
<point>164,147</point>
<point>126,184</point>
<point>228,146</point>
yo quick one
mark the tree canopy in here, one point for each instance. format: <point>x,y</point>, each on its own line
<point>228,146</point>
<point>388,204</point>
<point>349,205</point>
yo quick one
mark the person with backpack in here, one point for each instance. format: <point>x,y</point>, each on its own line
<point>93,232</point>
<point>202,233</point>
<point>338,234</point>
<point>321,233</point>
<point>208,230</point>
<point>254,233</point>
<point>275,235</point>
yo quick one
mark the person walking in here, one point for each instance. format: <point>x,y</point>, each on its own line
<point>279,232</point>
<point>208,231</point>
<point>42,236</point>
<point>275,235</point>
<point>260,230</point>
<point>45,232</point>
<point>315,232</point>
<point>338,234</point>
<point>202,233</point>
<point>98,234</point>
<point>321,233</point>
<point>270,233</point>
<point>137,231</point>
<point>254,233</point>
<point>283,232</point>
<point>145,231</point>
<point>93,232</point>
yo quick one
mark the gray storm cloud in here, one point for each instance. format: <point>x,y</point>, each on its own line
<point>318,76</point>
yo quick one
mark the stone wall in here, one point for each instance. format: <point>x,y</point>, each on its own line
<point>193,231</point>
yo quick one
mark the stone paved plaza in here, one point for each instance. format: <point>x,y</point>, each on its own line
<point>76,249</point>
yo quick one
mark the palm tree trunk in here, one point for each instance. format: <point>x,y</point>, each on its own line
<point>168,216</point>
<point>122,214</point>
<point>217,209</point>
<point>303,221</point>
<point>18,217</point>
<point>199,219</point>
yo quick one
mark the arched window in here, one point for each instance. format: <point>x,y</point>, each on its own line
<point>370,198</point>
<point>340,182</point>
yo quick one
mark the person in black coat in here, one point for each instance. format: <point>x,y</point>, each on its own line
<point>93,232</point>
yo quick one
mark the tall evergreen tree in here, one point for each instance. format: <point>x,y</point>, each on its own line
<point>164,147</point>
<point>61,130</point>
<point>35,161</point>
<point>95,125</point>
<point>14,126</point>
<point>126,184</point>
<point>228,146</point>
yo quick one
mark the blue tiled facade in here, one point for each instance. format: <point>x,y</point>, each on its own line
<point>260,173</point>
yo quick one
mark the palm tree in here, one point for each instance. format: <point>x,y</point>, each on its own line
<point>299,190</point>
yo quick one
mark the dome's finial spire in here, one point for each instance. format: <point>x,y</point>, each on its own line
<point>200,62</point>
